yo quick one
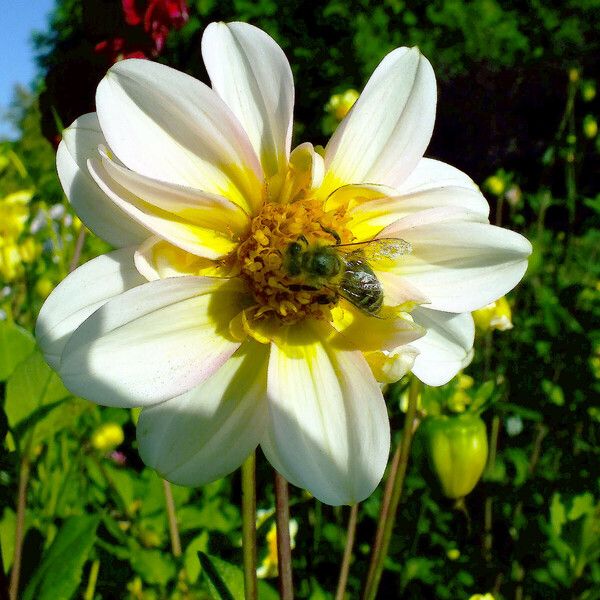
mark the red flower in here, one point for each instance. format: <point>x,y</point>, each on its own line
<point>162,16</point>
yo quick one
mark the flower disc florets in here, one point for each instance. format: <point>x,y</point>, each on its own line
<point>262,258</point>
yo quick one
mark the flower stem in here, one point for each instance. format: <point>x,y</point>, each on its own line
<point>91,586</point>
<point>249,526</point>
<point>391,499</point>
<point>172,518</point>
<point>78,249</point>
<point>15,574</point>
<point>345,568</point>
<point>284,551</point>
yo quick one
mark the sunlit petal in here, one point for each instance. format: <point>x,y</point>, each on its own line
<point>251,73</point>
<point>80,142</point>
<point>79,295</point>
<point>169,126</point>
<point>153,342</point>
<point>328,429</point>
<point>388,129</point>
<point>207,432</point>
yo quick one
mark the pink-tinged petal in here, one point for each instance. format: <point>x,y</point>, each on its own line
<point>328,427</point>
<point>397,290</point>
<point>153,342</point>
<point>79,295</point>
<point>209,431</point>
<point>167,125</point>
<point>80,142</point>
<point>459,265</point>
<point>252,75</point>
<point>199,224</point>
<point>388,129</point>
<point>445,348</point>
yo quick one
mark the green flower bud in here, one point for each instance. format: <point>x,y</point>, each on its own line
<point>457,448</point>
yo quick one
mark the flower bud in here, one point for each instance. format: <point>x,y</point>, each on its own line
<point>590,127</point>
<point>457,448</point>
<point>495,185</point>
<point>339,105</point>
<point>107,437</point>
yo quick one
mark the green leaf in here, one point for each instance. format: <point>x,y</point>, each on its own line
<point>153,566</point>
<point>7,535</point>
<point>15,344</point>
<point>59,574</point>
<point>190,557</point>
<point>32,392</point>
<point>225,581</point>
<point>558,514</point>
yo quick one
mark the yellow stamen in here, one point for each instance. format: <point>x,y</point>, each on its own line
<point>262,257</point>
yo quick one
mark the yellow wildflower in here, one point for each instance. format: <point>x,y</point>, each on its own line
<point>495,185</point>
<point>340,104</point>
<point>269,565</point>
<point>496,315</point>
<point>482,597</point>
<point>10,261</point>
<point>590,127</point>
<point>14,213</point>
<point>43,287</point>
<point>29,249</point>
<point>107,437</point>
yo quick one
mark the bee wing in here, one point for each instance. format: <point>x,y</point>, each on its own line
<point>383,252</point>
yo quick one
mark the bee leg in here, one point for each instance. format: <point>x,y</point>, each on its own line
<point>332,233</point>
<point>325,299</point>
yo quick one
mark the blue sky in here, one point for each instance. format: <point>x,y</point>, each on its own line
<point>17,64</point>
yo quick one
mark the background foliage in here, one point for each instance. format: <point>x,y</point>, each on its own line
<point>517,111</point>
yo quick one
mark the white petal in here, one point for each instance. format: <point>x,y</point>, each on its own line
<point>167,125</point>
<point>252,74</point>
<point>432,174</point>
<point>80,142</point>
<point>328,430</point>
<point>203,224</point>
<point>364,332</point>
<point>207,432</point>
<point>444,349</point>
<point>153,342</point>
<point>79,295</point>
<point>370,217</point>
<point>460,266</point>
<point>157,259</point>
<point>388,129</point>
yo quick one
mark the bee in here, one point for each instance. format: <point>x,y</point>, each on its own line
<point>343,269</point>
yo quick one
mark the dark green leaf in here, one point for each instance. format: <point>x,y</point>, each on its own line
<point>59,575</point>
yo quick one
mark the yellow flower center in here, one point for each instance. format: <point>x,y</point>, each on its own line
<point>279,281</point>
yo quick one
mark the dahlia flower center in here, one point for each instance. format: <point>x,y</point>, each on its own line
<point>289,260</point>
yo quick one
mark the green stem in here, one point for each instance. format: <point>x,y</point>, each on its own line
<point>284,550</point>
<point>78,249</point>
<point>488,536</point>
<point>172,519</point>
<point>90,590</point>
<point>24,472</point>
<point>345,568</point>
<point>387,516</point>
<point>249,526</point>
